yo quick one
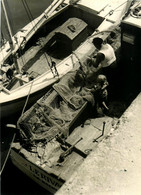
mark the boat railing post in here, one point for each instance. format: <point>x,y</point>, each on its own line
<point>95,140</point>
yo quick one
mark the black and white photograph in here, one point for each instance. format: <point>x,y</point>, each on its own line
<point>70,97</point>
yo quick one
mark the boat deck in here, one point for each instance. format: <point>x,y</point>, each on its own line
<point>92,129</point>
<point>36,58</point>
<point>91,135</point>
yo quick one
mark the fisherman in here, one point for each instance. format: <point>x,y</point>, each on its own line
<point>105,57</point>
<point>91,73</point>
<point>10,73</point>
<point>101,94</point>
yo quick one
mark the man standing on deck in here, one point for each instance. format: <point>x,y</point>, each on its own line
<point>105,57</point>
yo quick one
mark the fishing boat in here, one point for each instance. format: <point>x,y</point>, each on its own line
<point>52,45</point>
<point>12,56</point>
<point>53,139</point>
<point>52,144</point>
<point>56,134</point>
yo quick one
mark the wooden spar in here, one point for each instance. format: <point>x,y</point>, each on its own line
<point>30,30</point>
<point>38,22</point>
<point>8,25</point>
<point>12,45</point>
<point>6,90</point>
<point>16,63</point>
<point>50,8</point>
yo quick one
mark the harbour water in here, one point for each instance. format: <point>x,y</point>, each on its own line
<point>13,181</point>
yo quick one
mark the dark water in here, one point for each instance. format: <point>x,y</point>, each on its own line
<point>13,181</point>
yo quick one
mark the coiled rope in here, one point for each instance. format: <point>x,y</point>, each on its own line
<point>136,12</point>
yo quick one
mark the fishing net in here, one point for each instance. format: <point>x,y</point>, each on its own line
<point>52,114</point>
<point>55,112</point>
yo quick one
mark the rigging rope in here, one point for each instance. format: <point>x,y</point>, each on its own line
<point>81,65</point>
<point>28,10</point>
<point>51,64</point>
<point>2,52</point>
<point>112,11</point>
<point>32,21</point>
<point>31,18</point>
<point>29,14</point>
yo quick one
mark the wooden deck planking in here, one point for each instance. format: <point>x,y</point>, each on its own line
<point>34,58</point>
<point>64,171</point>
<point>89,133</point>
<point>70,164</point>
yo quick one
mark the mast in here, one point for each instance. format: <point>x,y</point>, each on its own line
<point>11,42</point>
<point>12,45</point>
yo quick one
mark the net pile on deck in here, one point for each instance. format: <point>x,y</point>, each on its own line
<point>48,118</point>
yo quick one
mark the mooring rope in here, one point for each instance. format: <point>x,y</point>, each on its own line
<point>2,168</point>
<point>27,98</point>
<point>135,12</point>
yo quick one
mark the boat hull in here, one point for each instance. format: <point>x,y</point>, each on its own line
<point>44,179</point>
<point>11,109</point>
<point>9,106</point>
<point>12,104</point>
